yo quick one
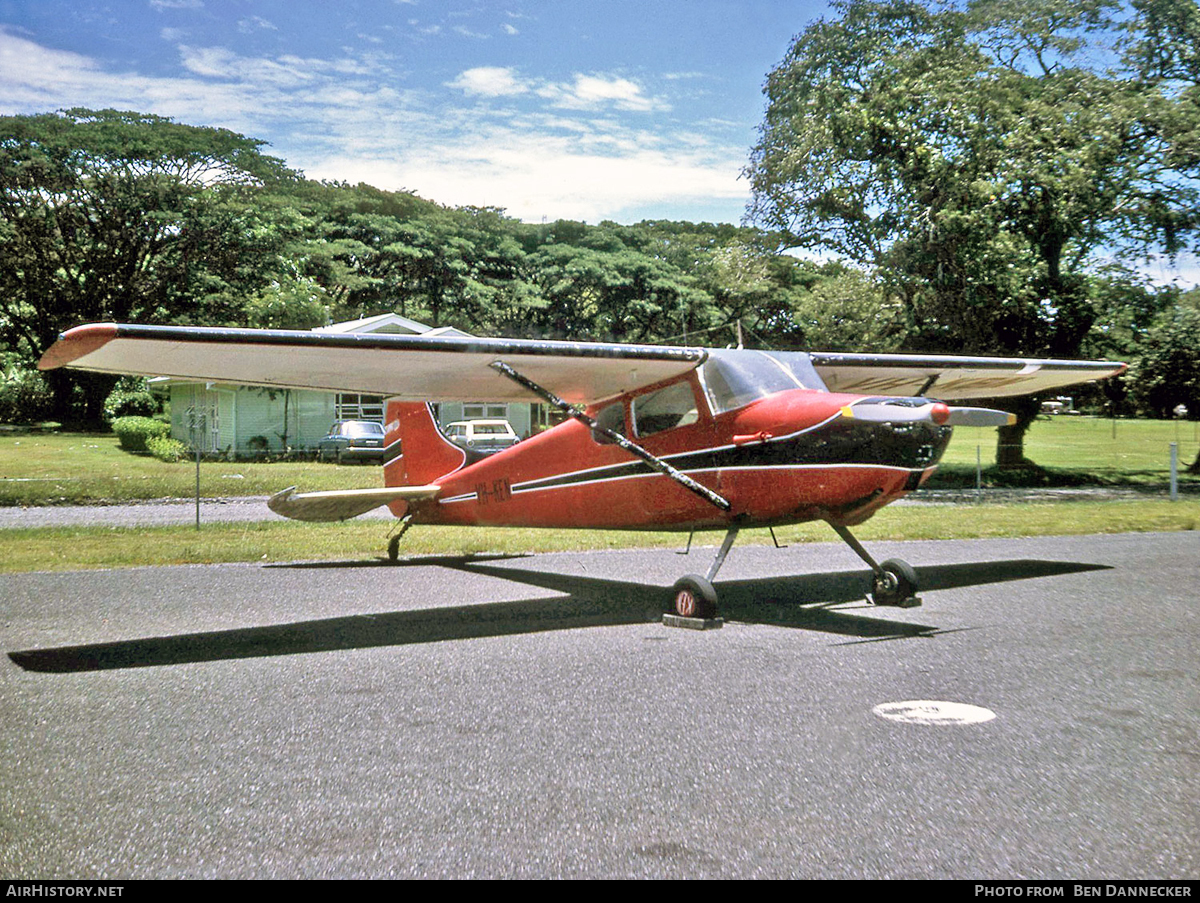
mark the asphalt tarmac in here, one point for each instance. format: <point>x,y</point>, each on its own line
<point>529,717</point>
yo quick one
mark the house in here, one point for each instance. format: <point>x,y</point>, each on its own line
<point>243,421</point>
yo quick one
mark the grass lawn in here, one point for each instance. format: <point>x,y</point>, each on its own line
<point>82,468</point>
<point>85,468</point>
<point>111,547</point>
<point>1078,451</point>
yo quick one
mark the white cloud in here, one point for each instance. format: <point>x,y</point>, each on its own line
<point>489,81</point>
<point>589,91</point>
<point>534,175</point>
<point>352,119</point>
<point>586,92</point>
<point>509,29</point>
<point>256,23</point>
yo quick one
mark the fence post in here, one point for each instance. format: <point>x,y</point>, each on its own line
<point>1174,471</point>
<point>978,469</point>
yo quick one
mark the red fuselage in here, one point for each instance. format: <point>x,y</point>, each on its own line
<point>789,457</point>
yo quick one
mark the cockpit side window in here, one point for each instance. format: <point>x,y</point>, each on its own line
<point>665,409</point>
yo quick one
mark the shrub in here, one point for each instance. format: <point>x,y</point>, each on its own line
<point>166,449</point>
<point>24,396</point>
<point>130,398</point>
<point>134,432</point>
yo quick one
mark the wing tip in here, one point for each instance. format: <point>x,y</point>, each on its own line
<point>76,343</point>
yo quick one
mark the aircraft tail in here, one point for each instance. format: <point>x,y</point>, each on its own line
<point>424,454</point>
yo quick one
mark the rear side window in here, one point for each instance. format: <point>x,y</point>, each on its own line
<point>669,407</point>
<point>610,417</point>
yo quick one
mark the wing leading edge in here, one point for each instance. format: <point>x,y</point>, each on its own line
<point>951,377</point>
<point>410,368</point>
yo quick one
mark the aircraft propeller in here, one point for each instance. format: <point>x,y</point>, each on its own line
<point>910,410</point>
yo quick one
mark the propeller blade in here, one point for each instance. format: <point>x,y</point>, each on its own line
<point>897,412</point>
<point>980,417</point>
<point>913,410</point>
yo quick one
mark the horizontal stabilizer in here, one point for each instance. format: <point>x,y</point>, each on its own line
<point>342,504</point>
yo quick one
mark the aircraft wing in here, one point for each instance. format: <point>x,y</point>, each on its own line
<point>411,368</point>
<point>953,378</point>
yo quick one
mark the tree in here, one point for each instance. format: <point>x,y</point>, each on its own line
<point>979,160</point>
<point>106,215</point>
<point>1166,372</point>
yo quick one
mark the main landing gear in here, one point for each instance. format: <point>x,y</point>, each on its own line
<point>694,596</point>
<point>894,582</point>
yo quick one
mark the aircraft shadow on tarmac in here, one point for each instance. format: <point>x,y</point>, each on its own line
<point>802,602</point>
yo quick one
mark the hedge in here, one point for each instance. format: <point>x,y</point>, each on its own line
<point>134,432</point>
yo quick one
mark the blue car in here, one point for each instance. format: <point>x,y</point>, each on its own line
<point>352,440</point>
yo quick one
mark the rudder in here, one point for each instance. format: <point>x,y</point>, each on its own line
<point>418,452</point>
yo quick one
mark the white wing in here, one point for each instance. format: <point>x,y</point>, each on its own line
<point>411,368</point>
<point>951,377</point>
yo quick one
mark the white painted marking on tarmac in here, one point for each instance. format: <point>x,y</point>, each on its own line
<point>932,712</point>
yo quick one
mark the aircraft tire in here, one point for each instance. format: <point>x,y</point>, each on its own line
<point>694,597</point>
<point>897,585</point>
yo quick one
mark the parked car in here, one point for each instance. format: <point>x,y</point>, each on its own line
<point>484,436</point>
<point>352,440</point>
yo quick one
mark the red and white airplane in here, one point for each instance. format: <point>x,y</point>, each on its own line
<point>658,437</point>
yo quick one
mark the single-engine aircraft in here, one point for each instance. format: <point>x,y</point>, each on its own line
<point>656,437</point>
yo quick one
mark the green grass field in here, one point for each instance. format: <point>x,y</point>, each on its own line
<point>82,468</point>
<point>113,547</point>
<point>1081,451</point>
<point>78,468</point>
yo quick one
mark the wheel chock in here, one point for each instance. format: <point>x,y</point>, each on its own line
<point>670,620</point>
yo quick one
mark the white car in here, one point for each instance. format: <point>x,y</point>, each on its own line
<point>486,436</point>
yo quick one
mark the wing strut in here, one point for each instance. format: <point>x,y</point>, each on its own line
<point>633,448</point>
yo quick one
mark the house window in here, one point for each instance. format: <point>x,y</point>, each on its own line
<point>359,407</point>
<point>485,412</point>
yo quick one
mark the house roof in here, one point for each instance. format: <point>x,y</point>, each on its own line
<point>389,324</point>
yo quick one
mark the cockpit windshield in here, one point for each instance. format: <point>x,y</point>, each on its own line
<point>734,378</point>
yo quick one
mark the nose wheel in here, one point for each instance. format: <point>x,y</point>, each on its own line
<point>892,583</point>
<point>895,584</point>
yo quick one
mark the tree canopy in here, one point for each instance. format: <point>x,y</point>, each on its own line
<point>106,215</point>
<point>984,158</point>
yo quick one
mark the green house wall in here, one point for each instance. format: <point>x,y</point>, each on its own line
<point>235,420</point>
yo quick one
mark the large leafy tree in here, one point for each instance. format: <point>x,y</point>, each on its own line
<point>107,215</point>
<point>980,158</point>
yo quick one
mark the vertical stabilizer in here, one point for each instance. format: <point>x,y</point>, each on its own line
<point>424,453</point>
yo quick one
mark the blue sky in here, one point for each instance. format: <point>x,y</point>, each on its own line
<point>611,109</point>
